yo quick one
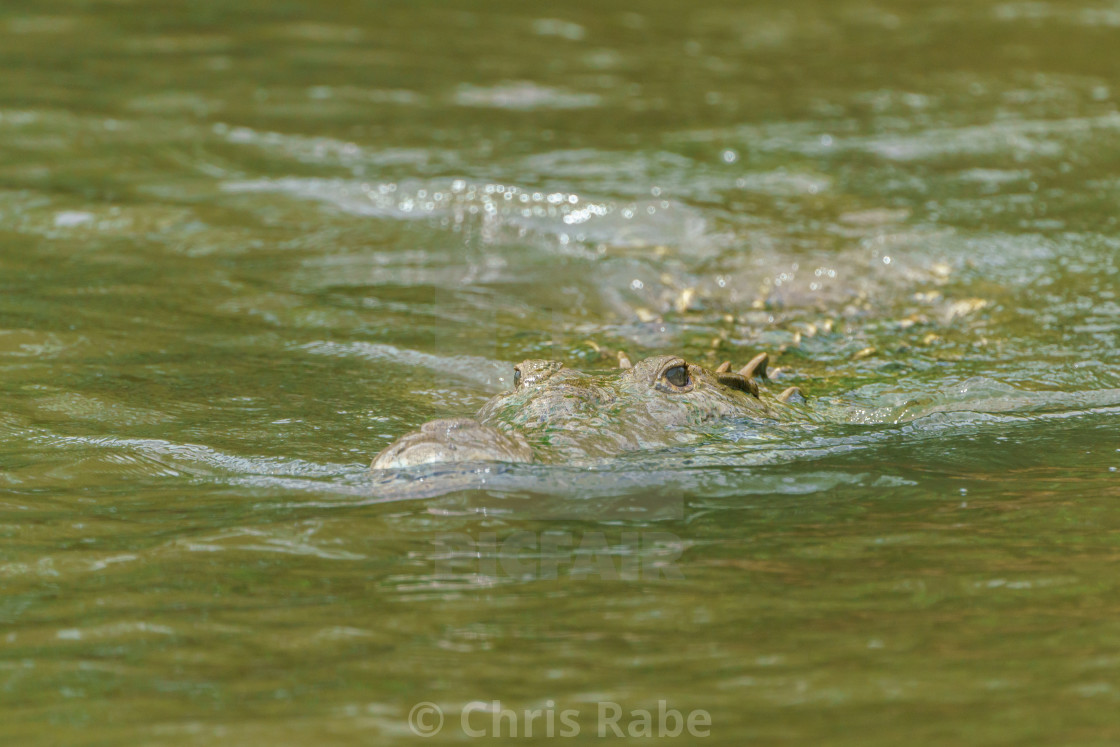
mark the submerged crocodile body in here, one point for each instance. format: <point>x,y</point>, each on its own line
<point>555,414</point>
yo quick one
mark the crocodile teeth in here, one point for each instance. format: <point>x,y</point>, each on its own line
<point>736,381</point>
<point>756,369</point>
<point>792,394</point>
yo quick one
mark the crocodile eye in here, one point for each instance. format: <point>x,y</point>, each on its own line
<point>516,377</point>
<point>677,376</point>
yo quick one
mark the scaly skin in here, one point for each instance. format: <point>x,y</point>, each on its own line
<point>555,414</point>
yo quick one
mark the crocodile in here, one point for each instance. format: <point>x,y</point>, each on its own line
<point>559,415</point>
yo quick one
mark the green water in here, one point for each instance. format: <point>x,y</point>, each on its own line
<point>243,246</point>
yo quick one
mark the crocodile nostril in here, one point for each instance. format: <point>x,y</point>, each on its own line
<point>532,372</point>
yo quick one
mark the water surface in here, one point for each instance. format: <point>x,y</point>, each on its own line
<point>244,247</point>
